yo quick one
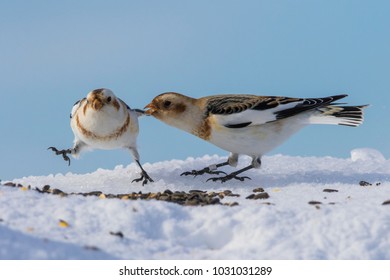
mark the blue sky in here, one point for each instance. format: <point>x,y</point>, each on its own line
<point>53,53</point>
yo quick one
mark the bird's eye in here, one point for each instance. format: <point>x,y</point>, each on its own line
<point>167,103</point>
<point>109,99</point>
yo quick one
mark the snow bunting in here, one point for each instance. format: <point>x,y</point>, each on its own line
<point>103,121</point>
<point>248,124</point>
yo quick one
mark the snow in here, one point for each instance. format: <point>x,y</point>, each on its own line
<point>367,154</point>
<point>298,221</point>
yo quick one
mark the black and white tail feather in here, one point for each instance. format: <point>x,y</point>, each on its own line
<point>340,115</point>
<point>325,111</point>
<point>336,114</point>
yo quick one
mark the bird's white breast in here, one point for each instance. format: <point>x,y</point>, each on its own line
<point>108,128</point>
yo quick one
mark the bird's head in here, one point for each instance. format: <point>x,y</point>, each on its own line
<point>98,98</point>
<point>176,110</point>
<point>168,105</point>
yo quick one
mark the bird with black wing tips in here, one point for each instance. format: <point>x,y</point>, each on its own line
<point>103,121</point>
<point>246,124</point>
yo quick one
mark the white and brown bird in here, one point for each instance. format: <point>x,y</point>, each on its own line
<point>103,121</point>
<point>248,124</point>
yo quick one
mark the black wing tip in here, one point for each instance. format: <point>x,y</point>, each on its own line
<point>78,101</point>
<point>337,97</point>
<point>139,111</point>
<point>127,106</point>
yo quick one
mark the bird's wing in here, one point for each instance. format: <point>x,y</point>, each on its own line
<point>124,103</point>
<point>76,106</point>
<point>138,112</point>
<point>237,111</point>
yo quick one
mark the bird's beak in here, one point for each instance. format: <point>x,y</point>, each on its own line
<point>95,101</point>
<point>151,109</point>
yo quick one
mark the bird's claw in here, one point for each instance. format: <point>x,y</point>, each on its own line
<point>64,153</point>
<point>145,178</point>
<point>228,177</point>
<point>201,172</point>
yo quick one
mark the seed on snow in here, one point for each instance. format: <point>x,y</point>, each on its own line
<point>63,224</point>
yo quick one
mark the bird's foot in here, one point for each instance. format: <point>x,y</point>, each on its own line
<point>228,177</point>
<point>207,170</point>
<point>64,153</point>
<point>145,178</point>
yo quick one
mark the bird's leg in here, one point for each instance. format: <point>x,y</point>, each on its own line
<point>64,153</point>
<point>233,175</point>
<point>145,178</point>
<point>212,169</point>
<point>256,163</point>
<point>75,151</point>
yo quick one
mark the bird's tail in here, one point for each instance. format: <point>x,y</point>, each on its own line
<point>339,115</point>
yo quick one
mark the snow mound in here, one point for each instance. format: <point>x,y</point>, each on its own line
<point>367,154</point>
